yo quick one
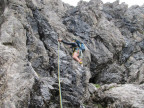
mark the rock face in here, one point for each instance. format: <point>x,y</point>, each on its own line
<point>114,58</point>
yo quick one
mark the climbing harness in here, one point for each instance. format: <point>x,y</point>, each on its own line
<point>59,76</point>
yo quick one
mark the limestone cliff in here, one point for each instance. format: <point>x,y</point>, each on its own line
<point>113,71</point>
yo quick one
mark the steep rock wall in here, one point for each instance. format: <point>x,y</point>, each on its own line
<point>114,56</point>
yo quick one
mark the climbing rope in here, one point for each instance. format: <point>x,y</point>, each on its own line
<point>59,76</point>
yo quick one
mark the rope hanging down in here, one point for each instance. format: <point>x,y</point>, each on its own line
<point>59,76</point>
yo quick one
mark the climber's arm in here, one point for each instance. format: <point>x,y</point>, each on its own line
<point>68,43</point>
<point>73,44</point>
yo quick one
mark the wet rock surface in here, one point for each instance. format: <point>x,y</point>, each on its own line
<point>112,74</point>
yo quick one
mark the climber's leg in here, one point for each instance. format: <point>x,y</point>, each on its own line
<point>75,56</point>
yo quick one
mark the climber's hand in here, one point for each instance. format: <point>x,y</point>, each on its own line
<point>59,40</point>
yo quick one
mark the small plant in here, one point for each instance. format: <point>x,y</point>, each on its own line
<point>111,87</point>
<point>98,105</point>
<point>97,85</point>
<point>84,105</point>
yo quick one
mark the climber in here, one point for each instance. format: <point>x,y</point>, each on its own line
<point>78,47</point>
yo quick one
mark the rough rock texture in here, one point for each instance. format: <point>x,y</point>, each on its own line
<point>119,96</point>
<point>112,75</point>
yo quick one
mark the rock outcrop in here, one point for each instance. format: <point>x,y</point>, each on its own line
<point>112,74</point>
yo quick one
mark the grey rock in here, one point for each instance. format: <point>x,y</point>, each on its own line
<point>92,88</point>
<point>114,56</point>
<point>127,96</point>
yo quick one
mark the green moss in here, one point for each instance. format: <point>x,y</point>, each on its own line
<point>98,105</point>
<point>84,105</point>
<point>111,87</point>
<point>97,85</point>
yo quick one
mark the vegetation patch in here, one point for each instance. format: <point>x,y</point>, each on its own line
<point>98,105</point>
<point>97,85</point>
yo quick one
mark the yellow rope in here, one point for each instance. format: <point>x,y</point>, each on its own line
<point>59,76</point>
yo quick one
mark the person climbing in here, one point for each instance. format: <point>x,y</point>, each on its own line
<point>78,47</point>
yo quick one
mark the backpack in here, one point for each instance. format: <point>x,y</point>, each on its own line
<point>80,45</point>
